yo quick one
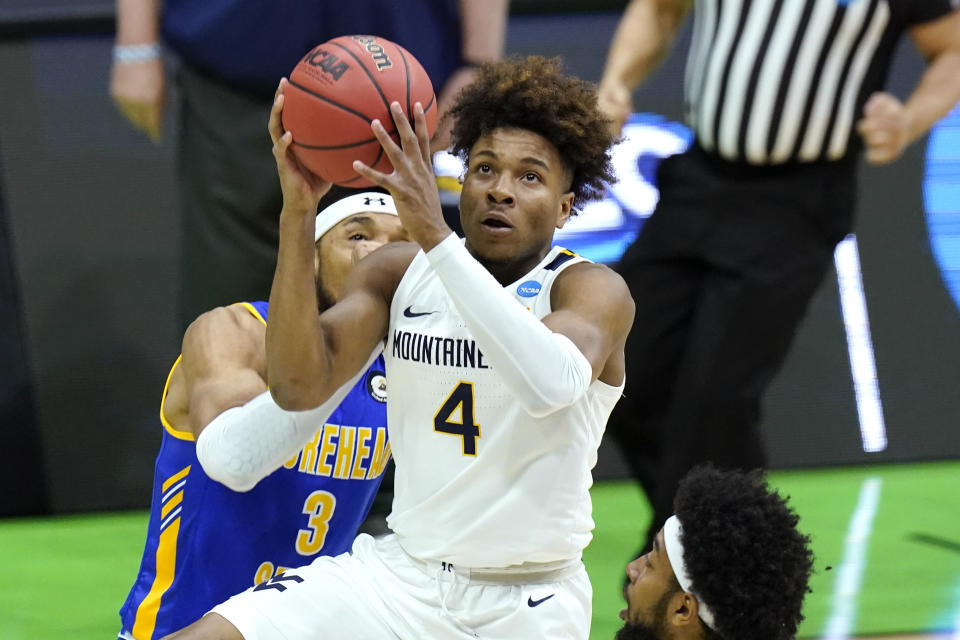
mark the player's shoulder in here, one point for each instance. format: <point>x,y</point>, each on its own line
<point>594,273</point>
<point>591,283</point>
<point>234,316</point>
<point>233,323</point>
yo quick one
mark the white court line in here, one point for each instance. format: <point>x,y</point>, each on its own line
<point>863,367</point>
<point>846,588</point>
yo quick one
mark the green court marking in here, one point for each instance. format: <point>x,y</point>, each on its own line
<point>66,577</point>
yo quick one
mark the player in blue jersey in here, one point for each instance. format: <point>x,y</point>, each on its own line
<point>242,489</point>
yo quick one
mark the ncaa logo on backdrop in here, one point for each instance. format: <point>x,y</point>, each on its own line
<point>377,386</point>
<point>529,289</point>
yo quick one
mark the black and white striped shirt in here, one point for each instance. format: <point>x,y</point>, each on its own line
<point>778,81</point>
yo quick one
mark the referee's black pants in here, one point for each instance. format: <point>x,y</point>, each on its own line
<point>721,274</point>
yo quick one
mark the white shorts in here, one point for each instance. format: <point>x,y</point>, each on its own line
<point>378,591</point>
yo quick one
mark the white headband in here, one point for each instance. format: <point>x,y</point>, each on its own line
<point>671,540</point>
<point>340,210</point>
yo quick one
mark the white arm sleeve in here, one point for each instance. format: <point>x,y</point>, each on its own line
<point>545,369</point>
<point>245,444</point>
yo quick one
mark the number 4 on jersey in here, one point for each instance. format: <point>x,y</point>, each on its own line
<point>456,418</point>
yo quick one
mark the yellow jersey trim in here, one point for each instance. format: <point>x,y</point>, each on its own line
<point>252,309</point>
<point>176,433</point>
<point>171,504</point>
<point>175,478</point>
<point>188,435</point>
<point>146,620</point>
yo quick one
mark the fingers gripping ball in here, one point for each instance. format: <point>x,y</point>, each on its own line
<point>337,89</point>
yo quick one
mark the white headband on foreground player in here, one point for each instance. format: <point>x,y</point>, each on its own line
<point>671,540</point>
<point>369,201</point>
<point>245,444</point>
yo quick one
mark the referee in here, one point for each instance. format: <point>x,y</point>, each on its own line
<point>782,96</point>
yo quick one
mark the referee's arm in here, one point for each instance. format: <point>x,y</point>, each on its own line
<point>889,126</point>
<point>642,39</point>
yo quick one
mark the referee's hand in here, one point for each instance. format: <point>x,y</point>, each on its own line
<point>885,128</point>
<point>615,103</point>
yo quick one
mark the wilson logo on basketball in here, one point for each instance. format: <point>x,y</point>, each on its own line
<point>327,62</point>
<point>376,51</point>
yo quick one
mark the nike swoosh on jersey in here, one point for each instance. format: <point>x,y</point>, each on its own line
<point>533,603</point>
<point>410,313</point>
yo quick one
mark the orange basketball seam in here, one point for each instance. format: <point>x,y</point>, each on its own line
<point>373,80</point>
<point>406,76</point>
<point>346,182</point>
<point>376,160</point>
<point>430,104</point>
<point>336,147</point>
<point>365,117</point>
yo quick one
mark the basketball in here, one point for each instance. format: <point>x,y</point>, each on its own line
<point>334,93</point>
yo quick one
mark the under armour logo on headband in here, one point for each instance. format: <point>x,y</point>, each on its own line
<point>368,201</point>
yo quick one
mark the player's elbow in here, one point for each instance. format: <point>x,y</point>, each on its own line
<point>226,465</point>
<point>232,473</point>
<point>559,391</point>
<point>239,482</point>
<point>570,376</point>
<point>296,395</point>
<point>543,409</point>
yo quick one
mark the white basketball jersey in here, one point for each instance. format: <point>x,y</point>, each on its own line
<point>479,482</point>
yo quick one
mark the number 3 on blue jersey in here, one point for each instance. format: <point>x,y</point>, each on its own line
<point>318,507</point>
<point>455,417</point>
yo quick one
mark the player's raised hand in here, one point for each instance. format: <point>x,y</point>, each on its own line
<point>412,182</point>
<point>302,189</point>
<point>885,128</point>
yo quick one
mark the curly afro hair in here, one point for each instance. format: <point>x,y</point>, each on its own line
<point>533,94</point>
<point>743,552</point>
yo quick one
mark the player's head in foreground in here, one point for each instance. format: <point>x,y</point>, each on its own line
<point>348,230</point>
<point>535,145</point>
<point>729,564</point>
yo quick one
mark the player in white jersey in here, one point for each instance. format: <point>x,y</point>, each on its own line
<point>504,356</point>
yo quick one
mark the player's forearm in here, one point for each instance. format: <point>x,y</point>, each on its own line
<point>642,39</point>
<point>545,370</point>
<point>244,444</point>
<point>935,95</point>
<point>483,29</point>
<point>137,21</point>
<point>296,349</point>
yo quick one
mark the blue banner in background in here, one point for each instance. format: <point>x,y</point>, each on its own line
<point>941,199</point>
<point>604,229</point>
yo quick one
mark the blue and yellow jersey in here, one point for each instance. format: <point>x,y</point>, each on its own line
<point>206,543</point>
